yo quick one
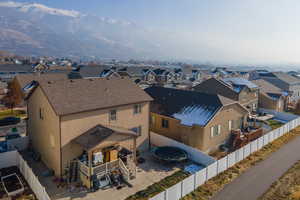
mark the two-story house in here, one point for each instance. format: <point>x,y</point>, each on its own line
<point>69,118</point>
<point>236,89</point>
<point>270,96</point>
<point>285,82</point>
<point>200,120</point>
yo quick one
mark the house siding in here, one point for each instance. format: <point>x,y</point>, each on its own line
<point>74,125</point>
<point>197,136</point>
<point>268,103</point>
<point>44,133</point>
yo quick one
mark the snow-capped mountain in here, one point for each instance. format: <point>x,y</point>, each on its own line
<point>35,29</point>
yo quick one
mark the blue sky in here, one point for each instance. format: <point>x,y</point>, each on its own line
<point>261,31</point>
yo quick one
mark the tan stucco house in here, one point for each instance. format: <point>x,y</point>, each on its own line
<point>236,89</point>
<point>200,120</point>
<point>69,117</point>
<point>271,97</point>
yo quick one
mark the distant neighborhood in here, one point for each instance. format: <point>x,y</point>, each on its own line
<point>110,130</point>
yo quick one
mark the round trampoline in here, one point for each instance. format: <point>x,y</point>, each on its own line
<point>170,154</point>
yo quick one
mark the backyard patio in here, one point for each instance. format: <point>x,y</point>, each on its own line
<point>148,173</point>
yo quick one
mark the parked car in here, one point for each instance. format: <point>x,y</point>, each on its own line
<point>9,121</point>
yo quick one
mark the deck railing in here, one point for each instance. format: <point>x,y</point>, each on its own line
<point>83,168</point>
<point>124,170</point>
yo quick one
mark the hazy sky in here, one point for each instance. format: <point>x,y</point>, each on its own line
<point>232,31</point>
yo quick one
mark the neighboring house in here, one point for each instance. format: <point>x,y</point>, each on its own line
<point>178,74</point>
<point>255,74</point>
<point>170,77</point>
<point>285,82</point>
<point>192,74</point>
<point>19,83</point>
<point>109,73</point>
<point>220,72</point>
<point>294,73</point>
<point>196,75</point>
<point>40,67</point>
<point>149,75</point>
<point>270,96</point>
<point>237,89</point>
<point>200,120</point>
<point>69,118</point>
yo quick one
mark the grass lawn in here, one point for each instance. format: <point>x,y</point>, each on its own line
<point>286,187</point>
<point>211,187</point>
<point>160,186</point>
<point>274,124</point>
<point>14,113</point>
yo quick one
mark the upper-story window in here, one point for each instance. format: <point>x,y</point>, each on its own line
<point>112,115</point>
<point>165,123</point>
<point>137,109</point>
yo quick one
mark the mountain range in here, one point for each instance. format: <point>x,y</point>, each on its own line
<point>37,30</point>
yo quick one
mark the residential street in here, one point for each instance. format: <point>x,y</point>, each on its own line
<point>254,182</point>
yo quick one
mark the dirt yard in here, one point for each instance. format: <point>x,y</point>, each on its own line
<point>287,187</point>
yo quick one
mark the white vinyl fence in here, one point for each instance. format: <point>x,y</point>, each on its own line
<point>13,158</point>
<point>194,181</point>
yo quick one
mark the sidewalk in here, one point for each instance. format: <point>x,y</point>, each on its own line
<point>255,181</point>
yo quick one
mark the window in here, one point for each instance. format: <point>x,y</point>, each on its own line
<point>137,109</point>
<point>215,130</point>
<point>165,123</point>
<point>113,115</point>
<point>230,125</point>
<point>137,130</point>
<point>41,113</point>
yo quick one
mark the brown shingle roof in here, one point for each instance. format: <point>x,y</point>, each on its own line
<point>267,87</point>
<point>25,79</point>
<point>73,96</point>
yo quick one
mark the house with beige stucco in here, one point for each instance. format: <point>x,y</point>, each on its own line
<point>92,121</point>
<point>236,89</point>
<point>200,120</point>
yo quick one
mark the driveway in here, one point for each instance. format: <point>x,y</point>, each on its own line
<point>257,180</point>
